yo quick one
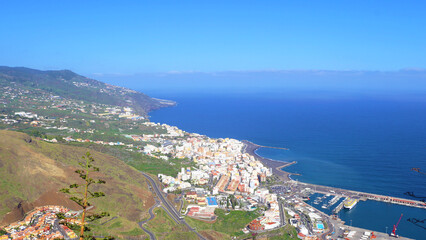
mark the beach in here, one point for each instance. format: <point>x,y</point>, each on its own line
<point>275,165</point>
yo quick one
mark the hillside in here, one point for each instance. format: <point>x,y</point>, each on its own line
<point>32,171</point>
<point>69,85</point>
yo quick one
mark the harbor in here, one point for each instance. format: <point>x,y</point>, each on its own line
<point>362,196</point>
<point>330,201</point>
<point>277,169</point>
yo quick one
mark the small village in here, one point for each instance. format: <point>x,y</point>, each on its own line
<point>44,223</point>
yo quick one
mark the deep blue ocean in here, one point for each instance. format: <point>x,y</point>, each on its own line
<point>358,143</point>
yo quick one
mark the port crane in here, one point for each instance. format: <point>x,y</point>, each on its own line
<point>393,233</point>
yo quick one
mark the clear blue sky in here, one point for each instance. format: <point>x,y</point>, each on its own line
<point>128,37</point>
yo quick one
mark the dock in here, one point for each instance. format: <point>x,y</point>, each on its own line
<point>261,146</point>
<point>362,195</point>
<point>339,207</point>
<point>277,169</point>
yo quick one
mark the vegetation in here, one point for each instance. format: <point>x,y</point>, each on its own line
<point>165,228</point>
<point>68,84</point>
<point>27,163</point>
<point>286,233</point>
<point>229,223</point>
<point>82,197</point>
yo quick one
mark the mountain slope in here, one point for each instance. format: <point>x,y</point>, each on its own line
<point>68,84</point>
<point>32,172</point>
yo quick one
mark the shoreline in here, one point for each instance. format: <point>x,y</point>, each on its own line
<point>277,166</point>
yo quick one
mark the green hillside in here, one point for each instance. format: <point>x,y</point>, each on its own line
<point>67,84</point>
<point>32,168</point>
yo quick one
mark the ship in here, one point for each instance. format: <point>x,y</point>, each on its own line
<point>350,203</point>
<point>306,198</point>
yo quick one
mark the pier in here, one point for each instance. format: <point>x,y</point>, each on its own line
<point>338,208</point>
<point>260,146</point>
<point>277,169</point>
<point>361,195</point>
<point>280,169</point>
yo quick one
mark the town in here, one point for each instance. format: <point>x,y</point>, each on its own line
<point>47,222</point>
<point>206,173</point>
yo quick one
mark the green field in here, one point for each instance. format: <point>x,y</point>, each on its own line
<point>165,228</point>
<point>229,223</point>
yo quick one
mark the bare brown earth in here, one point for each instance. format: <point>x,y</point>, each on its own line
<point>32,171</point>
<point>48,198</point>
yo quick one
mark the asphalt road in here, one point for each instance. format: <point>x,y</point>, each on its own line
<point>151,235</point>
<point>171,211</point>
<point>282,214</point>
<point>56,227</point>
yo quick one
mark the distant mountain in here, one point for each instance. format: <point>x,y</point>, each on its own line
<point>67,84</point>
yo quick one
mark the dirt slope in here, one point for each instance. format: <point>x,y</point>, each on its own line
<point>32,171</point>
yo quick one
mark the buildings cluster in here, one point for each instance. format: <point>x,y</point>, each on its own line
<point>121,112</point>
<point>41,223</point>
<point>70,139</point>
<point>222,169</point>
<point>171,131</point>
<point>271,218</point>
<point>219,161</point>
<point>301,210</point>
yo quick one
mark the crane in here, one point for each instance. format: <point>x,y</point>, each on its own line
<point>393,233</point>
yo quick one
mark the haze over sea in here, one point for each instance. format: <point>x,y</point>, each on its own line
<point>360,143</point>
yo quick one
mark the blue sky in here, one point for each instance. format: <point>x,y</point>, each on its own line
<point>128,37</point>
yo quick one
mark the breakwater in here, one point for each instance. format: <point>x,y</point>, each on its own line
<point>277,169</point>
<point>359,195</point>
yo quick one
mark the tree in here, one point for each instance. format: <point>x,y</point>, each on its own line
<point>60,215</point>
<point>81,193</point>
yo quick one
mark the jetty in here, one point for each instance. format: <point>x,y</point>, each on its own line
<point>280,169</point>
<point>338,208</point>
<point>276,166</point>
<point>363,196</point>
<point>261,146</point>
<point>277,169</point>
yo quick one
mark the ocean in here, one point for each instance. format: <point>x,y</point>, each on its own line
<point>359,143</point>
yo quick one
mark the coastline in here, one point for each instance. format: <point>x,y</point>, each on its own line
<point>275,165</point>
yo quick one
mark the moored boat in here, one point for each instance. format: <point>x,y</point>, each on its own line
<point>350,203</point>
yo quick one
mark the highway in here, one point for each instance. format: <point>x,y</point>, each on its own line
<point>171,211</point>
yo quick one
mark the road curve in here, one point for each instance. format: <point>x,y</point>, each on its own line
<point>151,235</point>
<point>171,211</point>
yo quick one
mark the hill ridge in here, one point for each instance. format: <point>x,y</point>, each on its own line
<point>68,84</point>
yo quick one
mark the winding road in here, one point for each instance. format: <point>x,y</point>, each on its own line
<point>152,215</point>
<point>171,211</point>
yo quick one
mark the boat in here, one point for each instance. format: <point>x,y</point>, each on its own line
<point>350,203</point>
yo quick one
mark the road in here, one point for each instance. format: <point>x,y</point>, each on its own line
<point>282,214</point>
<point>151,235</point>
<point>171,211</point>
<point>57,227</point>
